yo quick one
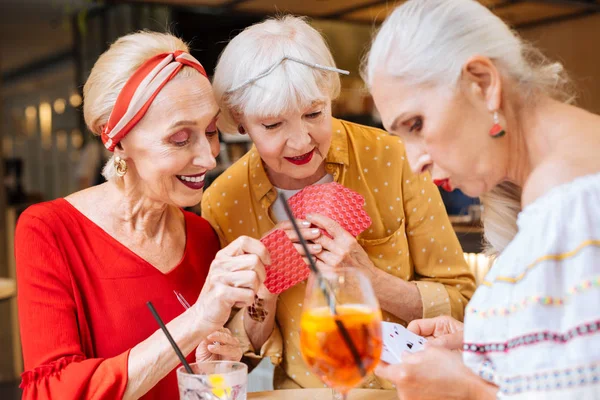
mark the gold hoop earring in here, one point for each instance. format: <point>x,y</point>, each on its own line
<point>120,166</point>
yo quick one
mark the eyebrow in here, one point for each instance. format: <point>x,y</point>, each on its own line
<point>189,122</point>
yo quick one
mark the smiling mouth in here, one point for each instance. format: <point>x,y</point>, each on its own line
<point>192,181</point>
<point>303,159</point>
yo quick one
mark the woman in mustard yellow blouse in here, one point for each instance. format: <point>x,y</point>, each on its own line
<point>275,82</point>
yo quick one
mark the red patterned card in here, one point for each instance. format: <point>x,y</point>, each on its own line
<point>287,265</point>
<point>334,201</point>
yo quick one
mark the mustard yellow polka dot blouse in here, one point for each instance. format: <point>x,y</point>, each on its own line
<point>410,236</point>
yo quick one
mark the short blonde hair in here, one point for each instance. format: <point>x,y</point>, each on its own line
<point>112,70</point>
<point>289,87</point>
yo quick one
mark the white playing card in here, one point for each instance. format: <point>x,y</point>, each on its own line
<point>396,340</point>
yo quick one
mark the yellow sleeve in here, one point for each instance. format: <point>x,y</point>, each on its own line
<point>442,275</point>
<point>212,217</point>
<point>272,348</point>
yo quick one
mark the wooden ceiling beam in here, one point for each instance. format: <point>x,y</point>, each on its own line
<point>587,4</point>
<point>358,7</point>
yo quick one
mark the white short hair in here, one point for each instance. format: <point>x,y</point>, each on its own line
<point>289,87</point>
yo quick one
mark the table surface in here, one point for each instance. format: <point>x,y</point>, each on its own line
<point>8,288</point>
<point>323,394</point>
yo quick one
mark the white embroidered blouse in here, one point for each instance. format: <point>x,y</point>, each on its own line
<point>533,326</point>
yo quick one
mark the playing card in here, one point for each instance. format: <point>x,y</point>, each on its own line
<point>287,266</point>
<point>334,201</point>
<point>388,355</point>
<point>397,339</point>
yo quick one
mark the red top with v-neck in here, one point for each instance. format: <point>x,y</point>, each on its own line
<point>82,301</point>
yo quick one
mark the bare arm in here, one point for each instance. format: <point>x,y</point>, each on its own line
<point>151,360</point>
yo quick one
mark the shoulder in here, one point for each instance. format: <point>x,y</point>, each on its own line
<point>552,173</point>
<point>49,214</point>
<point>374,138</point>
<point>198,225</point>
<point>202,234</point>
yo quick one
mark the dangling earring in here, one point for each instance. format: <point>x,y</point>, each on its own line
<point>241,129</point>
<point>497,130</point>
<point>120,166</point>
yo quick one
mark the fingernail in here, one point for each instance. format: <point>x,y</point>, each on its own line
<point>317,247</point>
<point>305,223</point>
<point>315,231</point>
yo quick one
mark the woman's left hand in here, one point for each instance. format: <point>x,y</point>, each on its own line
<point>342,249</point>
<point>219,345</point>
<point>434,373</point>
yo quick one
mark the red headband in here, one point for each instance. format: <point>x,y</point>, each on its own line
<point>141,90</point>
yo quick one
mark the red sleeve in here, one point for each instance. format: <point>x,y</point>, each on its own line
<point>56,366</point>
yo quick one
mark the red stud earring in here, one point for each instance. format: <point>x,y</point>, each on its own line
<point>497,130</point>
<point>241,130</point>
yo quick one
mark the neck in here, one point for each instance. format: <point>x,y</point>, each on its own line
<point>537,132</point>
<point>135,212</point>
<point>286,182</point>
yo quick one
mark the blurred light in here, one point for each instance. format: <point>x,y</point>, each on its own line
<point>76,138</point>
<point>46,124</point>
<point>7,146</point>
<point>30,112</point>
<point>30,120</point>
<point>75,100</point>
<point>61,140</point>
<point>59,106</point>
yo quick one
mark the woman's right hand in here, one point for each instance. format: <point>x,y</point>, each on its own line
<point>441,331</point>
<point>309,234</point>
<point>235,275</point>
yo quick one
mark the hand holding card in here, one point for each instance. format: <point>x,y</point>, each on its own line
<point>396,340</point>
<point>334,201</point>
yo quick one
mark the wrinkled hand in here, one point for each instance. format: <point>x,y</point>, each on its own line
<point>432,374</point>
<point>309,234</point>
<point>342,249</point>
<point>235,276</point>
<point>219,345</point>
<point>439,331</point>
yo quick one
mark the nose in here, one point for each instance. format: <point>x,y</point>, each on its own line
<point>299,137</point>
<point>418,158</point>
<point>203,155</point>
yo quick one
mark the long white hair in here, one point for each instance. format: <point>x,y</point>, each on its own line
<point>429,41</point>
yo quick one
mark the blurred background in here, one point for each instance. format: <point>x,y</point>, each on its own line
<point>47,48</point>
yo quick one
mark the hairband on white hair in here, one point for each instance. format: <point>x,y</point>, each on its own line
<point>272,68</point>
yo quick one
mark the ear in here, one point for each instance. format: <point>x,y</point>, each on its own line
<point>481,77</point>
<point>120,151</point>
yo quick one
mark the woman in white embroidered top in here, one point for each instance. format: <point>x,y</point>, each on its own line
<point>485,112</point>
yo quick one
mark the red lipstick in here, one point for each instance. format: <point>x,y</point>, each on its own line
<point>444,184</point>
<point>303,159</point>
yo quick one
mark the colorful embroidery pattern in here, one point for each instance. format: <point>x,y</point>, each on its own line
<point>534,338</point>
<point>531,300</point>
<point>553,257</point>
<point>552,380</point>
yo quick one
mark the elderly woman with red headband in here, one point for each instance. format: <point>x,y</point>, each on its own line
<point>88,263</point>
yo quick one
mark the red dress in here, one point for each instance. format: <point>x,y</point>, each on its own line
<point>82,301</point>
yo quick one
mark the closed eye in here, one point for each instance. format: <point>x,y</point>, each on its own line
<point>211,130</point>
<point>415,124</point>
<point>180,138</point>
<point>272,126</point>
<point>314,115</point>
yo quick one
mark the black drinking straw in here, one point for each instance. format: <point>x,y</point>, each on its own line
<point>168,335</point>
<point>329,297</point>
